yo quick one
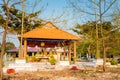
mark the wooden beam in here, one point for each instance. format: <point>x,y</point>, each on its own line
<point>64,53</point>
<point>25,48</point>
<point>69,50</point>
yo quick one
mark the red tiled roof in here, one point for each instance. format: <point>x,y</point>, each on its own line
<point>49,31</point>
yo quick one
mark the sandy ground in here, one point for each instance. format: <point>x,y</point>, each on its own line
<point>66,74</point>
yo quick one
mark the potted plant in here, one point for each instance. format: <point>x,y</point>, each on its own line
<point>9,71</point>
<point>52,60</point>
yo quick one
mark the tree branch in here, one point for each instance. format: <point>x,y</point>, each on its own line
<point>8,1</point>
<point>80,9</point>
<point>15,3</point>
<point>108,7</point>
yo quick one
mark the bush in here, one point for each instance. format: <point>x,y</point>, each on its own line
<point>52,60</point>
<point>114,62</point>
<point>3,64</point>
<point>34,59</point>
<point>27,58</point>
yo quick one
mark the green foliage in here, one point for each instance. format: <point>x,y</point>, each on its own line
<point>27,58</point>
<point>3,64</point>
<point>114,62</point>
<point>33,58</point>
<point>52,60</point>
<point>29,21</point>
<point>37,54</point>
<point>86,30</point>
<point>82,47</point>
<point>15,16</point>
<point>9,45</point>
<point>88,33</point>
<point>1,20</point>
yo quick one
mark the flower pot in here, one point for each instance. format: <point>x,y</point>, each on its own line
<point>9,71</point>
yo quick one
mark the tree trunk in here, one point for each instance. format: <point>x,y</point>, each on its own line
<point>88,49</point>
<point>104,55</point>
<point>4,41</point>
<point>102,36</point>
<point>21,54</point>
<point>96,22</point>
<point>2,53</point>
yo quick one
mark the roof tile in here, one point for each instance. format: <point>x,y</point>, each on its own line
<point>49,31</point>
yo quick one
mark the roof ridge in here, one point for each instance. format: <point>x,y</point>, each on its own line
<point>43,26</point>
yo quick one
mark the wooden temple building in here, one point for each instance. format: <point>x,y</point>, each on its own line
<point>50,36</point>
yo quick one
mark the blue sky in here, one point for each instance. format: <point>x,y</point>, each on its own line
<point>54,8</point>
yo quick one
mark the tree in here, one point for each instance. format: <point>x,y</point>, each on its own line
<point>29,21</point>
<point>87,31</point>
<point>5,26</point>
<point>15,15</point>
<point>113,43</point>
<point>10,20</point>
<point>102,7</point>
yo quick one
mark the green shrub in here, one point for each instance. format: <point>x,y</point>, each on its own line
<point>114,62</point>
<point>33,58</point>
<point>27,58</point>
<point>52,60</point>
<point>3,64</point>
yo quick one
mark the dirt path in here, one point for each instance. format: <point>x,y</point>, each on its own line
<point>64,75</point>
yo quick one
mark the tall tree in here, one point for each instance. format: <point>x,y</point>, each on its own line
<point>102,6</point>
<point>87,31</point>
<point>5,25</point>
<point>10,20</point>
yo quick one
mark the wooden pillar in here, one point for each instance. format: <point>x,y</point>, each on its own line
<point>50,51</point>
<point>74,43</point>
<point>64,56</point>
<point>58,56</point>
<point>69,50</point>
<point>25,48</point>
